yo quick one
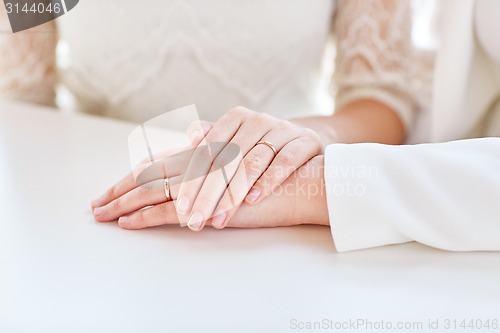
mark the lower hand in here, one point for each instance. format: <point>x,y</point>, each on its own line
<point>301,199</point>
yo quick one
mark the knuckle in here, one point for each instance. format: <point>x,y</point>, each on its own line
<point>286,125</point>
<point>285,158</point>
<point>238,111</point>
<point>111,193</point>
<point>261,119</point>
<point>201,155</point>
<point>309,132</point>
<point>116,205</point>
<point>229,154</point>
<point>222,160</point>
<point>162,212</point>
<point>253,164</point>
<point>306,140</point>
<point>311,136</point>
<point>144,191</point>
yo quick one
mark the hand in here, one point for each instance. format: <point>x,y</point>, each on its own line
<point>269,150</point>
<point>301,199</point>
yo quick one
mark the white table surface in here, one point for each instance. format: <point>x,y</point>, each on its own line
<point>63,272</point>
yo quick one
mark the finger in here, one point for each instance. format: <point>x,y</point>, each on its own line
<point>201,162</point>
<point>168,164</point>
<point>216,183</point>
<point>166,167</point>
<point>147,195</point>
<point>123,186</point>
<point>214,186</point>
<point>290,158</point>
<point>198,130</point>
<point>161,214</point>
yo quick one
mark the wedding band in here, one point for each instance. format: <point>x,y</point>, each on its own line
<point>269,144</point>
<point>167,190</point>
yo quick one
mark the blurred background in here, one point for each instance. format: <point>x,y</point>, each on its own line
<point>134,61</point>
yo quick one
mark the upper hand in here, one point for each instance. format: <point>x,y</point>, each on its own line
<point>226,182</point>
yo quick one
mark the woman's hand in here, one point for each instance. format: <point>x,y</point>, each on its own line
<point>301,199</point>
<point>249,155</point>
<point>215,177</point>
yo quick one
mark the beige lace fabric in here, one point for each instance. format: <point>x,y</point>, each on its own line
<point>378,59</point>
<point>266,55</point>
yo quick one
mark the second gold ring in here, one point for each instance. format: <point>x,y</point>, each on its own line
<point>167,190</point>
<point>269,144</point>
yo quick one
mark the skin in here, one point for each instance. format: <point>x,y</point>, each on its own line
<point>301,199</point>
<point>300,141</point>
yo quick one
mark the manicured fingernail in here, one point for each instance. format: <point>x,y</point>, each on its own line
<point>123,221</point>
<point>195,221</point>
<point>183,205</point>
<point>219,219</point>
<point>253,195</point>
<point>98,211</point>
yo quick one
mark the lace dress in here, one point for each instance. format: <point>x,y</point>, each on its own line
<point>135,60</point>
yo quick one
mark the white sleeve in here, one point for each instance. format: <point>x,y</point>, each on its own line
<point>443,195</point>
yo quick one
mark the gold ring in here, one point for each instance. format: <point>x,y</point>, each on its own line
<point>167,190</point>
<point>269,144</point>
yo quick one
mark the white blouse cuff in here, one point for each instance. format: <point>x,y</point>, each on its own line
<point>356,189</point>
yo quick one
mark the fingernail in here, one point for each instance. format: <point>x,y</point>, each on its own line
<point>219,219</point>
<point>95,203</point>
<point>123,221</point>
<point>98,211</point>
<point>253,195</point>
<point>195,221</point>
<point>183,205</point>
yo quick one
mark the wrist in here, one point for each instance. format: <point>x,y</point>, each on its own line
<point>310,199</point>
<point>324,128</point>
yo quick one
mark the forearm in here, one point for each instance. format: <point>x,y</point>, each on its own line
<point>361,121</point>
